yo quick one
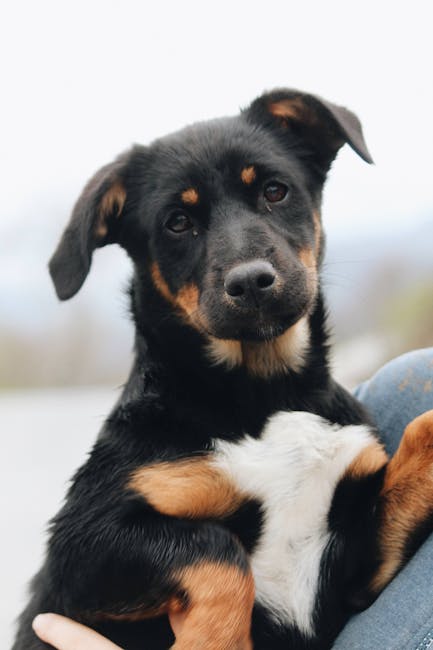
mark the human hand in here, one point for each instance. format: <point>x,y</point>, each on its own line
<point>64,634</point>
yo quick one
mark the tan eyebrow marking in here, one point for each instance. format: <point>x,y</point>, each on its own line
<point>248,175</point>
<point>190,196</point>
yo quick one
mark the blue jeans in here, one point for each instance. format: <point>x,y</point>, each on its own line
<point>402,616</point>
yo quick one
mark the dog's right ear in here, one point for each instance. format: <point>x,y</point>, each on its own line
<point>95,221</point>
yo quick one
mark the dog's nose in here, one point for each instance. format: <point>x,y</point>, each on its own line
<point>250,281</point>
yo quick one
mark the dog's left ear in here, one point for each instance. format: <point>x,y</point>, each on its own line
<point>96,220</point>
<point>316,124</point>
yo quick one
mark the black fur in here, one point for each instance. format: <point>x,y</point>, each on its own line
<point>109,551</point>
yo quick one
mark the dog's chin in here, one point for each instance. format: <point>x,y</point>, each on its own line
<point>259,332</point>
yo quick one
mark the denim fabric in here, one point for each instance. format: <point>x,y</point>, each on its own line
<point>402,616</point>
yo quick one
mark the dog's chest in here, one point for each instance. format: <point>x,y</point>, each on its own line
<point>292,469</point>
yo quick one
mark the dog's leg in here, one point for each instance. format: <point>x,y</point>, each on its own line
<point>219,597</point>
<point>406,499</point>
<point>135,573</point>
<point>218,615</point>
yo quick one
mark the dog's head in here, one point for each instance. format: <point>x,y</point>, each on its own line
<point>222,222</point>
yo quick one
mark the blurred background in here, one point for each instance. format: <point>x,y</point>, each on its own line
<point>81,82</point>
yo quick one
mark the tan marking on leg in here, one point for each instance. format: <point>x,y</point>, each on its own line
<point>190,196</point>
<point>191,487</point>
<point>266,359</point>
<point>248,175</point>
<point>218,614</point>
<point>111,205</point>
<point>407,496</point>
<point>216,605</point>
<point>370,460</point>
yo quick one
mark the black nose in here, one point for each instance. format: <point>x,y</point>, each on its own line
<point>250,281</point>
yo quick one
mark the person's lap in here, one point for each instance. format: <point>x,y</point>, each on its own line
<point>402,616</point>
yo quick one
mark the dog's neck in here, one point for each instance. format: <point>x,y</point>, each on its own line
<point>179,354</point>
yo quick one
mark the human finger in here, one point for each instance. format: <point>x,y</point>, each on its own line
<point>64,634</point>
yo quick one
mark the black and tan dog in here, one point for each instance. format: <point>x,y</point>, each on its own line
<point>234,480</point>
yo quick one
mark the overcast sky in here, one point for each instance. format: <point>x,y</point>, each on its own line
<point>81,81</point>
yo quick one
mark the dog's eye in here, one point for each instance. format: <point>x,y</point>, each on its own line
<point>179,222</point>
<point>275,192</point>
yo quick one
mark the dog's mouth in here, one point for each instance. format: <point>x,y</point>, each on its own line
<point>262,333</point>
<point>258,329</point>
<point>265,349</point>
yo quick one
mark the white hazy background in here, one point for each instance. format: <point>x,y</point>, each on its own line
<point>81,81</point>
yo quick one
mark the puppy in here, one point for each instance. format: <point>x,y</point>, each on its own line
<point>234,480</point>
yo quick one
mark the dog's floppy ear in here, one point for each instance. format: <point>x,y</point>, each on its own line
<point>95,221</point>
<point>317,124</point>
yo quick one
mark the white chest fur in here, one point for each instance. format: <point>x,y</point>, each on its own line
<point>293,469</point>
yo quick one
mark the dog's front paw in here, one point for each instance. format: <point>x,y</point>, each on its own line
<point>417,441</point>
<point>406,499</point>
